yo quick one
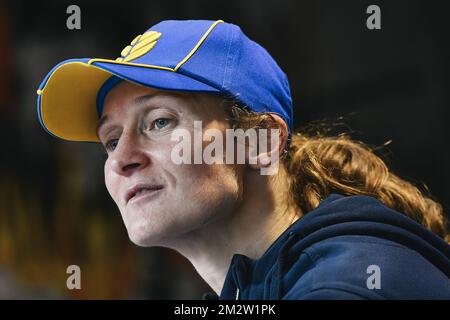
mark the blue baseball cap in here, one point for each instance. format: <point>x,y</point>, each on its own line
<point>191,55</point>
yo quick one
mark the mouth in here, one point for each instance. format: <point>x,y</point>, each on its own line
<point>140,191</point>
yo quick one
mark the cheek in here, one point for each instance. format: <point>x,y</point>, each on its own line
<point>205,183</point>
<point>212,188</point>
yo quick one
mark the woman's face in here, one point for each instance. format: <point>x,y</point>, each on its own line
<point>159,200</point>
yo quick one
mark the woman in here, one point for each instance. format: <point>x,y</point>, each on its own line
<point>329,222</point>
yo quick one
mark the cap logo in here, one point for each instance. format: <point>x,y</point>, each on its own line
<point>141,45</point>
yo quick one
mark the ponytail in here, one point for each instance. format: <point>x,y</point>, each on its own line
<point>319,165</point>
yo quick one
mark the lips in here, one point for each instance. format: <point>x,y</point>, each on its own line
<point>139,190</point>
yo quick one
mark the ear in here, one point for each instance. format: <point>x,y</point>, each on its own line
<point>270,147</point>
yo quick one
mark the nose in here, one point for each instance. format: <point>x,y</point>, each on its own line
<point>128,157</point>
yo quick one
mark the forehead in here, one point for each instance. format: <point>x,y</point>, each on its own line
<point>127,96</point>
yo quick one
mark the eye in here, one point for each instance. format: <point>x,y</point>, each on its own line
<point>110,145</point>
<point>161,123</point>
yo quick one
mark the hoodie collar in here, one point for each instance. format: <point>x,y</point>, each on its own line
<point>335,215</point>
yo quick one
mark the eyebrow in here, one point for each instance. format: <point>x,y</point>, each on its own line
<point>145,98</point>
<point>137,101</point>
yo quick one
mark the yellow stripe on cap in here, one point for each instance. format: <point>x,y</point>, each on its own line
<point>199,43</point>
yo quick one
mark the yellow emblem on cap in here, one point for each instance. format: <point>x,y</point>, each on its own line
<point>139,46</point>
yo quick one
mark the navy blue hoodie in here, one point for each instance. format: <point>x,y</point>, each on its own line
<point>349,247</point>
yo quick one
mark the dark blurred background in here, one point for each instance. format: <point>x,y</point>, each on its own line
<point>389,84</point>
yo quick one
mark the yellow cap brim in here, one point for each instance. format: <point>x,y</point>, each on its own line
<point>70,95</point>
<point>67,98</point>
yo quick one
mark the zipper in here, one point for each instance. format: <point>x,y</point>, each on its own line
<point>237,294</point>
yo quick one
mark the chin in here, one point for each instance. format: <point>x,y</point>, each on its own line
<point>143,234</point>
<point>143,239</point>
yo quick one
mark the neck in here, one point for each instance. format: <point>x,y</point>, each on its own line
<point>260,219</point>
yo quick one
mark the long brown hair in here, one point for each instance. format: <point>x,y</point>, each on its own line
<point>319,164</point>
